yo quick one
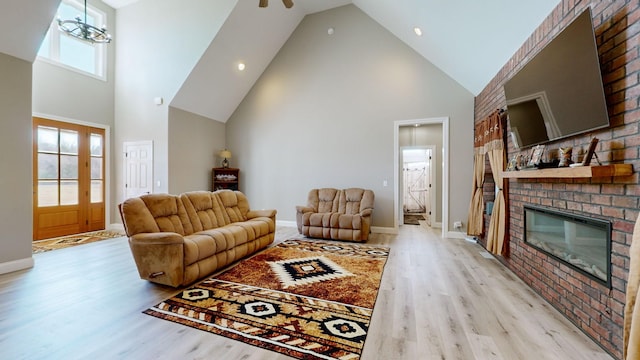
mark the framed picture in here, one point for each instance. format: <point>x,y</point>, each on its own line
<point>536,156</point>
<point>590,152</point>
<point>513,163</point>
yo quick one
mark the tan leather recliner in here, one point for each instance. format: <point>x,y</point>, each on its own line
<point>336,214</point>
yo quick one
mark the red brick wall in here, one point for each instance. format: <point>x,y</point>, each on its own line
<point>594,308</point>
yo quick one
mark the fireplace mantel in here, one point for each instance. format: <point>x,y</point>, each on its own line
<point>572,172</point>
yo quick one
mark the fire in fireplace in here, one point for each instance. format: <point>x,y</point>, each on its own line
<point>580,242</point>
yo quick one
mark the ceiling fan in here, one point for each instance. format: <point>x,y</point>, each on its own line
<point>287,3</point>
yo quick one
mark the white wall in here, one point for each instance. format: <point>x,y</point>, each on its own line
<point>322,115</point>
<point>158,44</point>
<point>15,168</point>
<point>194,144</point>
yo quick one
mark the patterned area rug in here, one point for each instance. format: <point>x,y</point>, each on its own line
<point>62,242</point>
<point>306,299</point>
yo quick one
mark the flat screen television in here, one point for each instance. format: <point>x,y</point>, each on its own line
<point>559,93</point>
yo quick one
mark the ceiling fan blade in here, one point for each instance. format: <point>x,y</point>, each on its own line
<point>288,3</point>
<point>263,3</point>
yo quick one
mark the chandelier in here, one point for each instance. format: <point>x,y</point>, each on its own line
<point>287,3</point>
<point>82,30</point>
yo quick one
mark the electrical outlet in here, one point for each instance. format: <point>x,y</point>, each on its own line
<point>457,224</point>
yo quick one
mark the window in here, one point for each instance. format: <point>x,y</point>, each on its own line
<point>69,52</point>
<point>57,166</point>
<point>97,168</point>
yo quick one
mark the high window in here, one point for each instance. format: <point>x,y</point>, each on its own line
<point>69,52</point>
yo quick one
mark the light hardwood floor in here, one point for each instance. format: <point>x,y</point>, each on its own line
<point>439,299</point>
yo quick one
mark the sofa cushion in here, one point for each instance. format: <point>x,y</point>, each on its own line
<point>205,210</point>
<point>207,243</point>
<point>346,221</point>
<point>155,213</point>
<point>324,200</point>
<point>136,218</point>
<point>257,227</point>
<point>317,219</point>
<point>354,200</point>
<point>235,204</point>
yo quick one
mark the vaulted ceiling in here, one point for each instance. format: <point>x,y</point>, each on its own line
<point>23,25</point>
<point>468,40</point>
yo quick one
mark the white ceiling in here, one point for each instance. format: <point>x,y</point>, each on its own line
<point>242,38</point>
<point>468,40</point>
<point>307,5</point>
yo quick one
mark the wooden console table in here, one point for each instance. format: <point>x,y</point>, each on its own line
<point>569,172</point>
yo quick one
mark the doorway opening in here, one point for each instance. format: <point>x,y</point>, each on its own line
<point>440,169</point>
<point>69,178</point>
<point>418,186</point>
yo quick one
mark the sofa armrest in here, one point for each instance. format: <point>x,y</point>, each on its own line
<point>304,209</point>
<point>159,238</point>
<point>366,212</point>
<point>159,257</point>
<point>270,213</point>
<point>299,211</point>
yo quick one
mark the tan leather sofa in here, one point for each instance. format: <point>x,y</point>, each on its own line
<point>178,239</point>
<point>336,214</point>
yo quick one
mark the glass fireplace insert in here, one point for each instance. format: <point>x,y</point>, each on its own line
<point>580,242</point>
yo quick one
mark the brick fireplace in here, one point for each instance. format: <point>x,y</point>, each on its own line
<point>591,305</point>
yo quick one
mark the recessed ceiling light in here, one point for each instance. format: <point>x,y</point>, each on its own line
<point>417,30</point>
<point>330,31</point>
<point>241,66</point>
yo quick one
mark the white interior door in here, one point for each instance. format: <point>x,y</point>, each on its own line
<point>138,168</point>
<point>415,187</point>
<point>418,181</point>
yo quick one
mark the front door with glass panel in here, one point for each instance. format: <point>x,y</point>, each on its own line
<point>68,170</point>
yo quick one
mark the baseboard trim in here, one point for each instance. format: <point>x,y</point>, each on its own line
<point>286,223</point>
<point>116,227</point>
<point>384,230</point>
<point>16,265</point>
<point>456,235</point>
